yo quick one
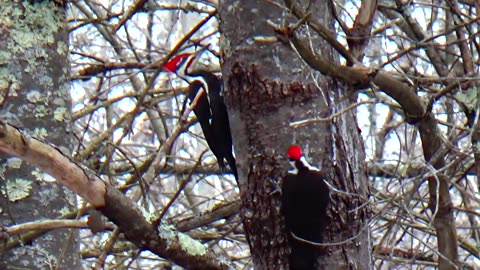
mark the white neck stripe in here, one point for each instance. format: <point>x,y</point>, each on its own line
<point>305,163</point>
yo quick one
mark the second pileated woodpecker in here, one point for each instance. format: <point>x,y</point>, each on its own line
<point>305,198</point>
<point>210,108</point>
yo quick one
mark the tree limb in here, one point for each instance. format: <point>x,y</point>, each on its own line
<point>166,242</point>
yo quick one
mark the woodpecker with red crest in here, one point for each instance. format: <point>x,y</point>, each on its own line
<point>210,107</point>
<point>305,198</point>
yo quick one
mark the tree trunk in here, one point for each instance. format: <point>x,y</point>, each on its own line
<point>268,89</point>
<point>34,82</point>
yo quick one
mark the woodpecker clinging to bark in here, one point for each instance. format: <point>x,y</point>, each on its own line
<point>210,108</point>
<point>305,198</point>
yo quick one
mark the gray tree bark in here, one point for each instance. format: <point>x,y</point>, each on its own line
<point>269,87</point>
<point>34,84</point>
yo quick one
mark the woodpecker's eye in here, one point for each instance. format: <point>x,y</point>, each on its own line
<point>182,61</point>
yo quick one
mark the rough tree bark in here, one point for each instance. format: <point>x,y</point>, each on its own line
<point>269,87</point>
<point>34,85</point>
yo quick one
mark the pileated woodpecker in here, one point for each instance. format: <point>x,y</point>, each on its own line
<point>305,198</point>
<point>210,109</point>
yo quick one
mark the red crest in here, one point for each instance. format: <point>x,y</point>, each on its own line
<point>173,64</point>
<point>295,152</point>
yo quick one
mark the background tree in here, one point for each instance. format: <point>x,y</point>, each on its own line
<point>34,74</point>
<point>409,68</point>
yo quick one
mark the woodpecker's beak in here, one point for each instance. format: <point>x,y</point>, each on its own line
<point>202,50</point>
<point>196,64</point>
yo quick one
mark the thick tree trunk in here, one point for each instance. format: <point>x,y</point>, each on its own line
<point>34,74</point>
<point>269,87</point>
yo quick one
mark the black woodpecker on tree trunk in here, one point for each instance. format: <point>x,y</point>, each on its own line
<point>305,198</point>
<point>210,108</point>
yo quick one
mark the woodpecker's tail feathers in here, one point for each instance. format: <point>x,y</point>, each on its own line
<point>303,256</point>
<point>221,164</point>
<point>232,164</point>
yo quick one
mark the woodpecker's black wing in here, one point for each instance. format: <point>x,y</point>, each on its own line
<point>204,116</point>
<point>305,198</point>
<point>220,123</point>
